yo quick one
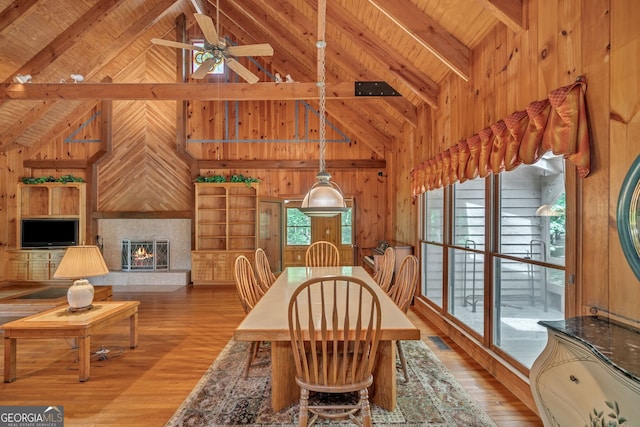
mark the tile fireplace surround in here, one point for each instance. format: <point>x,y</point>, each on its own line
<point>177,231</point>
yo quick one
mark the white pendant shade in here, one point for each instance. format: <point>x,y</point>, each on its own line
<point>324,198</point>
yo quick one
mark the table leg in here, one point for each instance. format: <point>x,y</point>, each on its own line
<point>284,390</point>
<point>383,390</point>
<point>133,330</point>
<point>84,355</point>
<point>10,352</point>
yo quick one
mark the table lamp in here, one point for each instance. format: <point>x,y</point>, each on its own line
<point>80,262</point>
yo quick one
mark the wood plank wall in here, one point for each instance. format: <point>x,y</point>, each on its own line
<point>565,39</point>
<point>144,173</point>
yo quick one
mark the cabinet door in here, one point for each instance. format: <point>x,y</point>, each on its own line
<point>54,261</point>
<point>18,266</point>
<point>38,266</point>
<point>201,267</point>
<point>223,265</point>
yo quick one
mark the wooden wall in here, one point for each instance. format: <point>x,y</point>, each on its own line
<point>140,169</point>
<point>565,39</point>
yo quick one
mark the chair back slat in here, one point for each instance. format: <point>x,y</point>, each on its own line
<point>263,269</point>
<point>322,254</point>
<point>405,284</point>
<point>384,275</point>
<point>247,285</point>
<point>339,346</point>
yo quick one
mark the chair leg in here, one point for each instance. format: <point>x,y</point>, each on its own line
<point>403,360</point>
<point>304,407</point>
<point>253,350</point>
<point>366,408</point>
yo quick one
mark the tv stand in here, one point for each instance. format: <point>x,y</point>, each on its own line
<point>33,265</point>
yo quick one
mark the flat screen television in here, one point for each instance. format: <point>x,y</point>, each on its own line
<point>49,233</point>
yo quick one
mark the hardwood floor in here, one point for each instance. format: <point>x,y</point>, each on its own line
<point>180,334</point>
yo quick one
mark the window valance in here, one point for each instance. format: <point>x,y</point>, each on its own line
<point>558,123</point>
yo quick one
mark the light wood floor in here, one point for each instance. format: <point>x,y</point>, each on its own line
<point>181,333</point>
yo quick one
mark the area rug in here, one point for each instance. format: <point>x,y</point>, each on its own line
<point>432,397</point>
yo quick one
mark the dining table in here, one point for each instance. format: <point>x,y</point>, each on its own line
<point>268,321</point>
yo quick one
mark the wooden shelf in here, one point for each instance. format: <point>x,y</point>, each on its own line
<point>226,226</point>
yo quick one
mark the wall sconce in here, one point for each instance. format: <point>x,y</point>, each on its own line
<point>22,79</point>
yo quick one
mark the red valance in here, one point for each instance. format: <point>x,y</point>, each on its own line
<point>558,123</point>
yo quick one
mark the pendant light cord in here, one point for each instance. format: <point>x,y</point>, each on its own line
<point>321,45</point>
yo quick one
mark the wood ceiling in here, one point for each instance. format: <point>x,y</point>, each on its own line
<point>413,45</point>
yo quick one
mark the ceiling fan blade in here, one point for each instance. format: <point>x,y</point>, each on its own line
<point>263,49</point>
<point>241,70</point>
<point>208,29</point>
<point>179,45</point>
<point>203,69</point>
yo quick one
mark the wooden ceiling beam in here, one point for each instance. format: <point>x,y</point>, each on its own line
<point>66,39</point>
<point>429,34</point>
<point>298,25</point>
<point>369,42</point>
<point>375,133</point>
<point>283,15</point>
<point>510,12</point>
<point>174,91</point>
<point>292,164</point>
<point>91,67</point>
<point>14,11</point>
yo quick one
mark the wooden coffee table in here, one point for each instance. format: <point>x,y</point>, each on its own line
<point>62,323</point>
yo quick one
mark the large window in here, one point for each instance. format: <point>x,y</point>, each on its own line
<point>298,227</point>
<point>500,242</point>
<point>432,246</point>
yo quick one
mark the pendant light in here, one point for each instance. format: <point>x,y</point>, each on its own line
<point>324,197</point>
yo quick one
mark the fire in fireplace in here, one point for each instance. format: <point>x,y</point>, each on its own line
<point>145,255</point>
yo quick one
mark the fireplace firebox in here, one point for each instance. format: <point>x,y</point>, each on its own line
<point>145,255</point>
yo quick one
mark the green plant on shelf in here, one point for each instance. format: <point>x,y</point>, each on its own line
<point>241,178</point>
<point>599,418</point>
<point>211,178</point>
<point>220,178</point>
<point>44,179</point>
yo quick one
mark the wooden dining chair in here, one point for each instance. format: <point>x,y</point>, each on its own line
<point>263,269</point>
<point>322,254</point>
<point>402,293</point>
<point>249,292</point>
<point>327,360</point>
<point>384,275</point>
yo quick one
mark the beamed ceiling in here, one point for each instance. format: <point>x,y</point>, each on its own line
<point>412,45</point>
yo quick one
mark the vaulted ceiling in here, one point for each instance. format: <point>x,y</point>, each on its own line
<point>413,45</point>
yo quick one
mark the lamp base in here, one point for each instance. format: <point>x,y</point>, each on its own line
<point>80,295</point>
<point>75,310</point>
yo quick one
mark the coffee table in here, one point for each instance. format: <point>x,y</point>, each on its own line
<point>62,323</point>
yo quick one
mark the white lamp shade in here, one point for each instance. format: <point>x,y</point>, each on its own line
<point>78,262</point>
<point>324,198</point>
<point>81,261</point>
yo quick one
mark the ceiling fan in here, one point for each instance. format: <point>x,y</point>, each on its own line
<point>215,50</point>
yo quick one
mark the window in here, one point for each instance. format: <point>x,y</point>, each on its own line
<point>466,254</point>
<point>493,256</point>
<point>346,226</point>
<point>199,56</point>
<point>432,248</point>
<point>529,262</point>
<point>298,227</point>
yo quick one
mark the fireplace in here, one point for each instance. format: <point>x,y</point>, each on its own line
<point>145,255</point>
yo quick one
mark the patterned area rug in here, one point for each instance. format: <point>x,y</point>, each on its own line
<point>432,397</point>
